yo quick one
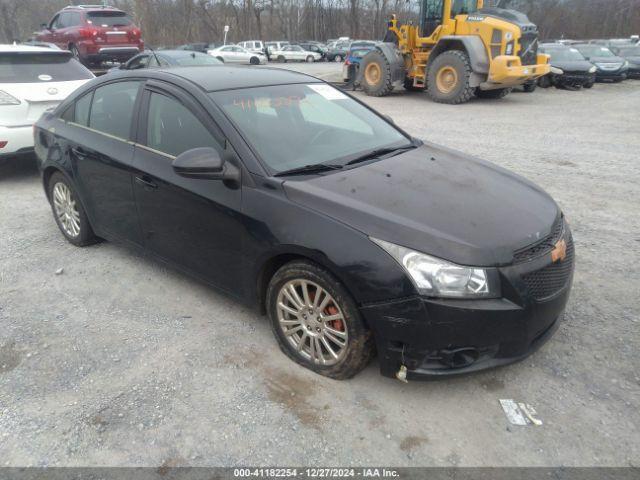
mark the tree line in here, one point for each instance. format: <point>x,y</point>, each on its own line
<point>174,22</point>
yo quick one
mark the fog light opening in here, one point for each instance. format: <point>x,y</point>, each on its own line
<point>459,357</point>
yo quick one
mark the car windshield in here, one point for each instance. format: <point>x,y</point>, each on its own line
<point>195,59</point>
<point>109,19</point>
<point>595,51</point>
<point>41,67</point>
<point>564,54</point>
<point>629,51</point>
<point>291,126</point>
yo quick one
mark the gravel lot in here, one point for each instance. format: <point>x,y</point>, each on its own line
<point>120,361</point>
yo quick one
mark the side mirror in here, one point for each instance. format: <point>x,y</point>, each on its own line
<point>205,163</point>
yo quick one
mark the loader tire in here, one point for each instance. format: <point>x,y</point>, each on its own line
<point>448,78</point>
<point>376,78</point>
<point>493,94</point>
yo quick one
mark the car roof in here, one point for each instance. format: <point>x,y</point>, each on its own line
<point>224,77</point>
<point>18,48</point>
<point>91,8</point>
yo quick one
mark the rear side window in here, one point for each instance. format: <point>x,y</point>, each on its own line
<point>112,108</point>
<point>173,129</point>
<point>41,67</point>
<point>83,105</point>
<point>109,19</point>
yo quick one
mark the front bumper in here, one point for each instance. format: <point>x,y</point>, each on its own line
<point>19,140</point>
<point>443,337</point>
<point>507,71</point>
<point>620,74</point>
<point>571,79</point>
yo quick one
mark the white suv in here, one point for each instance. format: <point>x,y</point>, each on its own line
<point>32,80</point>
<point>255,46</point>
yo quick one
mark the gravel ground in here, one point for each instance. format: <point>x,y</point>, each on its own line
<point>117,360</point>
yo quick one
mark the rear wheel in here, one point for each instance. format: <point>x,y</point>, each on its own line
<point>376,78</point>
<point>310,59</point>
<point>338,59</point>
<point>254,61</point>
<point>281,59</point>
<point>448,78</point>
<point>316,322</point>
<point>68,212</point>
<point>493,94</point>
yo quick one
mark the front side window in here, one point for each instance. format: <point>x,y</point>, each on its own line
<point>290,126</point>
<point>41,67</point>
<point>173,129</point>
<point>112,108</point>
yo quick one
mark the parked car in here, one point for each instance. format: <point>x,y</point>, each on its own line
<point>237,54</point>
<point>272,46</point>
<point>337,51</point>
<point>168,58</point>
<point>631,53</point>
<point>295,53</point>
<point>300,200</point>
<point>569,68</point>
<point>32,80</point>
<point>357,51</point>
<point>313,47</point>
<point>199,47</point>
<point>255,46</point>
<point>609,66</point>
<point>93,34</point>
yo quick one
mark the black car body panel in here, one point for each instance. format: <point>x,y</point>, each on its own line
<point>234,236</point>
<point>609,67</point>
<point>576,73</point>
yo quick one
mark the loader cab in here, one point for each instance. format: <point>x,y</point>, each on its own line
<point>434,12</point>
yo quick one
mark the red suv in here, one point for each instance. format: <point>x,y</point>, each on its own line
<point>94,33</point>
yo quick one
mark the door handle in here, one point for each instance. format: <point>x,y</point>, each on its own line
<point>148,184</point>
<point>80,152</point>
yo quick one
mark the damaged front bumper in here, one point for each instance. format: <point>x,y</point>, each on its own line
<point>423,338</point>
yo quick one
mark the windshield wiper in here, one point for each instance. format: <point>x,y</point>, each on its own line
<point>379,152</point>
<point>316,168</point>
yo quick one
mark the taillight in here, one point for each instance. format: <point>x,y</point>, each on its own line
<point>88,32</point>
<point>347,62</point>
<point>135,32</point>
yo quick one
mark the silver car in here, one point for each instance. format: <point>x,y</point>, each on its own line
<point>237,54</point>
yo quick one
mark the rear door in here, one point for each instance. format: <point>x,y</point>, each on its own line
<point>101,151</point>
<point>193,223</point>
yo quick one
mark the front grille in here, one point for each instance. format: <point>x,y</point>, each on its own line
<point>529,48</point>
<point>542,247</point>
<point>548,281</point>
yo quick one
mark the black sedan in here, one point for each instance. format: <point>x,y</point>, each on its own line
<point>631,53</point>
<point>569,69</point>
<point>302,201</point>
<point>168,58</point>
<point>609,66</point>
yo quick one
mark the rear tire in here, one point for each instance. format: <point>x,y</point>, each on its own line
<point>357,347</point>
<point>589,84</point>
<point>376,79</point>
<point>254,61</point>
<point>529,87</point>
<point>448,78</point>
<point>493,94</point>
<point>68,211</point>
<point>338,59</point>
<point>281,59</point>
<point>310,59</point>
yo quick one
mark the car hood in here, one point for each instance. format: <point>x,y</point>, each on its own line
<point>436,201</point>
<point>606,60</point>
<point>573,65</point>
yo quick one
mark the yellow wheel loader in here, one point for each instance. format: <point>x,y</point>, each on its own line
<point>460,49</point>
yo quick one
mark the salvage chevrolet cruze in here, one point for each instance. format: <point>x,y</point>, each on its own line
<point>296,198</point>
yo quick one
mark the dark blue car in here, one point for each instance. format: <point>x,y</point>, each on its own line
<point>355,54</point>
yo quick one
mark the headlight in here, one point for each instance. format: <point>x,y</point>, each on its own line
<point>557,71</point>
<point>434,277</point>
<point>6,99</point>
<point>626,63</point>
<point>593,69</point>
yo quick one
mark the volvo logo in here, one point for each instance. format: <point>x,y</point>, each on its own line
<point>52,91</point>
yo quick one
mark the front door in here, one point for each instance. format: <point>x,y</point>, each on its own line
<point>193,223</point>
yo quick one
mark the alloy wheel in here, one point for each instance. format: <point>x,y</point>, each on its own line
<point>66,209</point>
<point>312,322</point>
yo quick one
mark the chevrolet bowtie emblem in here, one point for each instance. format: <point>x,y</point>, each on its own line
<point>559,252</point>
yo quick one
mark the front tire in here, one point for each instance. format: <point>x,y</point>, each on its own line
<point>316,322</point>
<point>68,212</point>
<point>544,82</point>
<point>376,78</point>
<point>254,61</point>
<point>589,84</point>
<point>338,59</point>
<point>448,78</point>
<point>493,94</point>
